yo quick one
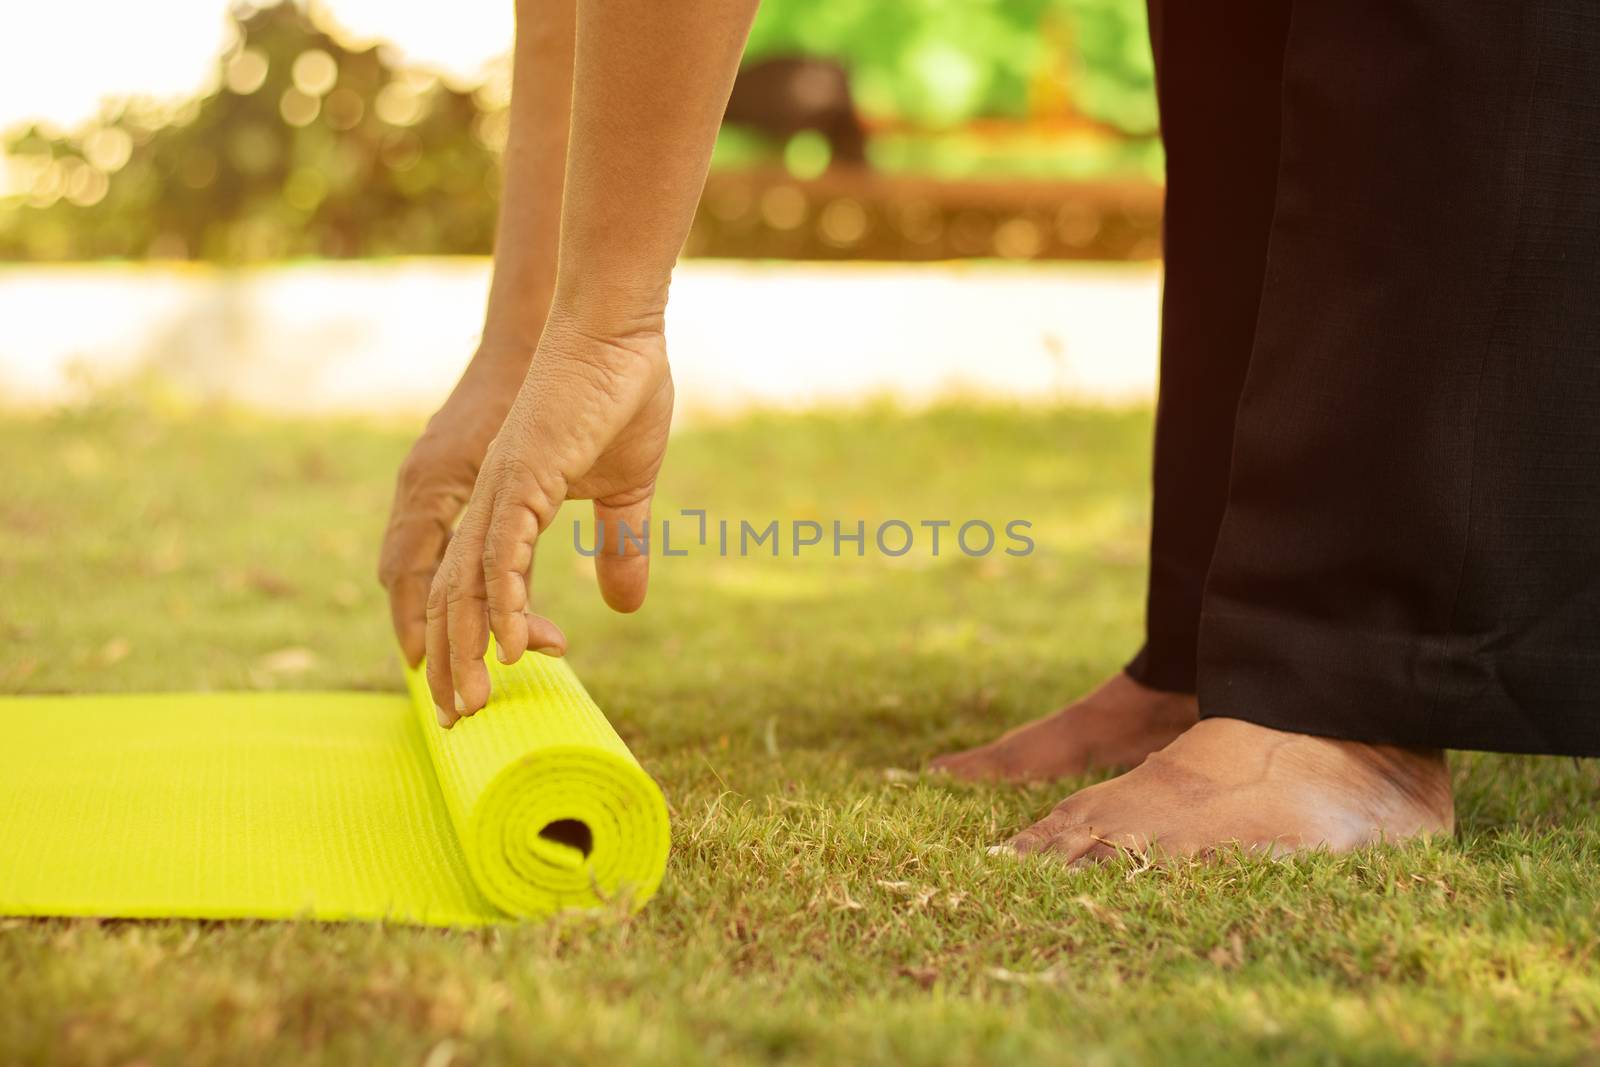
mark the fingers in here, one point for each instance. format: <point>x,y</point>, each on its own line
<point>507,563</point>
<point>537,634</point>
<point>581,425</point>
<point>408,611</point>
<point>412,547</point>
<point>622,567</point>
<point>438,645</point>
<point>481,588</point>
<point>468,630</point>
<point>457,626</point>
<point>508,551</point>
<point>544,637</point>
<point>457,635</point>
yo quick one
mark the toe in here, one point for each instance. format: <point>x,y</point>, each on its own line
<point>1061,834</point>
<point>1108,847</point>
<point>973,765</point>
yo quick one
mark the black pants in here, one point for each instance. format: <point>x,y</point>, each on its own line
<point>1377,472</point>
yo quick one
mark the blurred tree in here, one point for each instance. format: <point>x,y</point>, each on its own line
<point>308,148</point>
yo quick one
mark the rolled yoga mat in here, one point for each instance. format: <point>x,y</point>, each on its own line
<point>325,805</point>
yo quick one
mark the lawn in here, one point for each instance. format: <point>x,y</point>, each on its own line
<point>824,904</point>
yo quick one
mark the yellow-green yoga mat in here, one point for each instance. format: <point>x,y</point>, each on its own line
<point>325,805</point>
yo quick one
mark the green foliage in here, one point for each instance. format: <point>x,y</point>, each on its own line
<point>941,62</point>
<point>373,160</point>
<point>357,157</point>
<point>816,910</point>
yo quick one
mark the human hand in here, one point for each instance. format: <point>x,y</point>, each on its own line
<point>589,422</point>
<point>435,482</point>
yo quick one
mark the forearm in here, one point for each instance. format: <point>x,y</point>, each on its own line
<point>591,418</point>
<point>651,83</point>
<point>528,231</point>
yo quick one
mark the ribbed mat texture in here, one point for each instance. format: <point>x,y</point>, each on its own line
<point>325,805</point>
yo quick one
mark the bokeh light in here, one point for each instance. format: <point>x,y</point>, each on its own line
<point>246,71</point>
<point>921,130</point>
<point>298,108</point>
<point>314,72</point>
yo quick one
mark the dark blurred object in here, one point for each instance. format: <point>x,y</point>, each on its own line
<point>784,95</point>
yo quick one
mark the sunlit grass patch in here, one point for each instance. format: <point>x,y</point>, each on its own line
<point>817,908</point>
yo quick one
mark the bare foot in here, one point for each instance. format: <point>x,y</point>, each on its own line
<point>1226,782</point>
<point>1117,725</point>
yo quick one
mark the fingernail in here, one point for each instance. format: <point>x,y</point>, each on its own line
<point>461,705</point>
<point>548,650</point>
<point>500,654</point>
<point>444,720</point>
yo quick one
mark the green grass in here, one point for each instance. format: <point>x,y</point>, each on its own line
<point>816,910</point>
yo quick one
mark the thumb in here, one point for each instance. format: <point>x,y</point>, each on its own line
<point>622,567</point>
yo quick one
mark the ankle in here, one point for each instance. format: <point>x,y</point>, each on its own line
<point>1385,777</point>
<point>1415,776</point>
<point>1160,706</point>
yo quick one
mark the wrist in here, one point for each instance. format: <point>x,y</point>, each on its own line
<point>608,310</point>
<point>498,364</point>
<point>501,346</point>
<point>627,346</point>
<point>488,384</point>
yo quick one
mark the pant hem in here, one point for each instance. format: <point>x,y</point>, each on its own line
<point>1163,672</point>
<point>1316,678</point>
